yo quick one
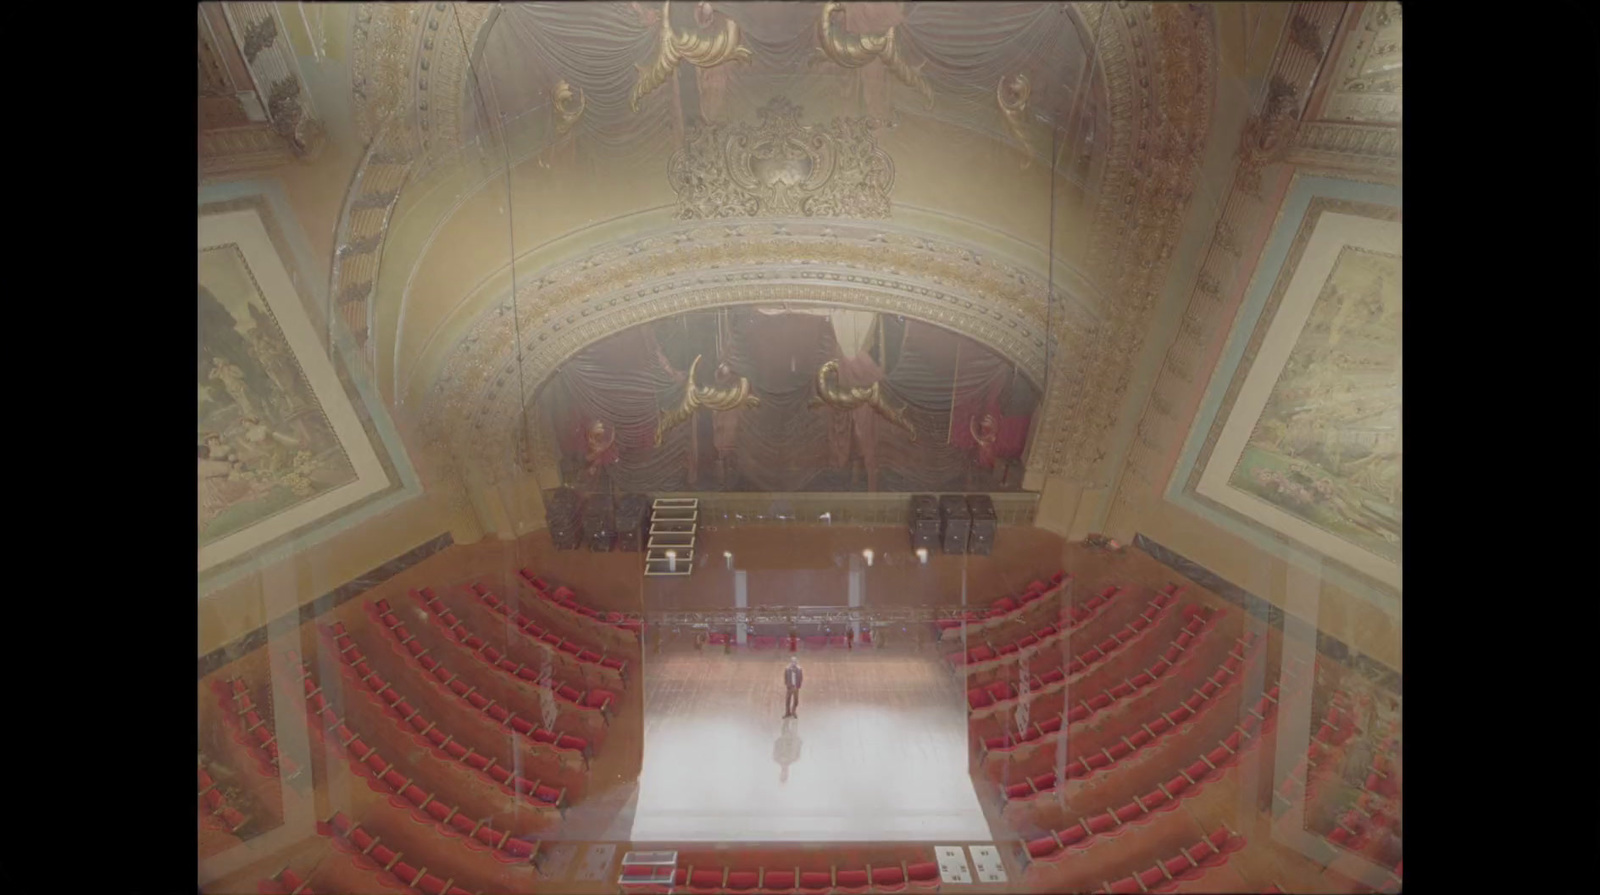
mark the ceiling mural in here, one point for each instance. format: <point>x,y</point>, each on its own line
<point>1132,83</point>
<point>287,441</point>
<point>1299,441</point>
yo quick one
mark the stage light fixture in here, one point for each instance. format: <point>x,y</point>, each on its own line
<point>922,555</point>
<point>867,554</point>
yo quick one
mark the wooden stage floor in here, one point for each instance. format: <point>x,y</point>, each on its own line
<point>878,751</point>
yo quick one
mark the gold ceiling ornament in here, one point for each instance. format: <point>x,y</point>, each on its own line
<point>781,167</point>
<point>855,50</point>
<point>848,399</point>
<point>717,398</point>
<point>1266,137</point>
<point>1012,95</point>
<point>567,114</point>
<point>703,49</point>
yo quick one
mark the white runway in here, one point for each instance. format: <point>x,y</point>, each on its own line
<point>878,752</point>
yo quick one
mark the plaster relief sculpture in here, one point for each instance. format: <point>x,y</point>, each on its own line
<point>1012,96</point>
<point>781,167</point>
<point>848,50</point>
<point>732,396</point>
<point>830,393</point>
<point>702,49</point>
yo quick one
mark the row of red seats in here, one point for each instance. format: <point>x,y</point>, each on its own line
<point>286,882</point>
<point>1045,731</point>
<point>1190,863</point>
<point>1002,610</point>
<point>568,748</point>
<point>1372,813</point>
<point>382,777</point>
<point>594,704</point>
<point>985,656</point>
<point>564,599</point>
<point>525,791</point>
<point>249,729</point>
<point>781,881</point>
<point>386,864</point>
<point>610,669</point>
<point>1188,783</point>
<point>1299,783</point>
<point>215,811</point>
<point>1002,695</point>
<point>1187,710</point>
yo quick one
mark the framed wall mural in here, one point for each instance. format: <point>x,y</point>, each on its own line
<point>286,438</point>
<point>1299,439</point>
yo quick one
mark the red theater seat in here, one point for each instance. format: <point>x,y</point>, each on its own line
<point>814,882</point>
<point>777,882</point>
<point>851,880</point>
<point>923,876</point>
<point>742,881</point>
<point>888,879</point>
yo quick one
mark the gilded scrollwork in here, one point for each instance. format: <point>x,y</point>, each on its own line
<point>829,392</point>
<point>703,49</point>
<point>1012,95</point>
<point>779,166</point>
<point>848,50</point>
<point>721,398</point>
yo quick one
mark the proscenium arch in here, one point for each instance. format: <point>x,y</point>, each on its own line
<point>472,407</point>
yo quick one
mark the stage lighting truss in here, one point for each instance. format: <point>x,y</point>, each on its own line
<point>802,615</point>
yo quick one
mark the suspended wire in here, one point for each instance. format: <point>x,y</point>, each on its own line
<point>511,235</point>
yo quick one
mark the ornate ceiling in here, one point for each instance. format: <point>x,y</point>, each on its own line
<point>1129,87</point>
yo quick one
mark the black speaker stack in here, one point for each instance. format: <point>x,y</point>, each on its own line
<point>633,522</point>
<point>924,522</point>
<point>561,516</point>
<point>984,523</point>
<point>955,522</point>
<point>599,525</point>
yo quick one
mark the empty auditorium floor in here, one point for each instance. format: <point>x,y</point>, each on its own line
<point>878,752</point>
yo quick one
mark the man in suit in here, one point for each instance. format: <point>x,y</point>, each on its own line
<point>792,678</point>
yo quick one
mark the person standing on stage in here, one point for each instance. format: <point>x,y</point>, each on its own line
<point>792,677</point>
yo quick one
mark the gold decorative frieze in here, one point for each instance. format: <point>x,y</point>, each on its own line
<point>706,48</point>
<point>848,50</point>
<point>779,166</point>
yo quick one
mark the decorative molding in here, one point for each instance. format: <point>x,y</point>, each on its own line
<point>706,48</point>
<point>363,226</point>
<point>471,411</point>
<point>780,167</point>
<point>277,77</point>
<point>1220,279</point>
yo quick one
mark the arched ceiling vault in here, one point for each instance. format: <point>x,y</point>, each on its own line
<point>432,309</point>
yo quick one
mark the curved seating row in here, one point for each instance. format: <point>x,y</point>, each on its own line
<point>215,811</point>
<point>1190,863</point>
<point>1189,782</point>
<point>587,661</point>
<point>986,657</point>
<point>565,747</point>
<point>1043,732</point>
<point>387,865</point>
<point>248,728</point>
<point>1109,758</point>
<point>564,600</point>
<point>901,877</point>
<point>381,777</point>
<point>286,882</point>
<point>1002,610</point>
<point>592,706</point>
<point>524,791</point>
<point>1373,812</point>
<point>1003,695</point>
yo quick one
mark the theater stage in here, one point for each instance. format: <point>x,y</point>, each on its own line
<point>878,752</point>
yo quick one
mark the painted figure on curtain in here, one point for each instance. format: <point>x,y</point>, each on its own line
<point>264,443</point>
<point>1326,447</point>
